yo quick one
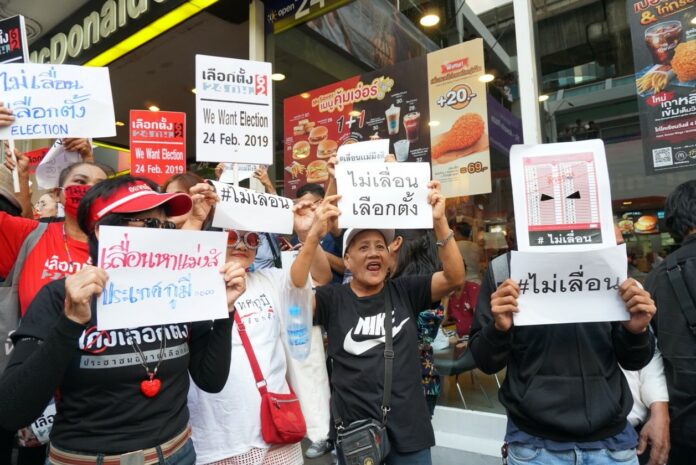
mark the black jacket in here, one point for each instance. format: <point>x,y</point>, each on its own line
<point>563,381</point>
<point>677,343</point>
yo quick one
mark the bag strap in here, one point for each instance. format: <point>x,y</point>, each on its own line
<point>255,368</point>
<point>686,302</point>
<point>388,354</point>
<point>388,363</point>
<point>26,247</point>
<point>277,261</point>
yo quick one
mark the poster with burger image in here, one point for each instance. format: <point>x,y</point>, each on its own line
<point>664,52</point>
<point>411,105</point>
<point>391,103</point>
<point>638,222</point>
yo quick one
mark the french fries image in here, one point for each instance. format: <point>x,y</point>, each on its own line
<point>296,169</point>
<point>656,79</point>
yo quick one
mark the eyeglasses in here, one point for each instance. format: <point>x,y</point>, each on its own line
<point>151,223</point>
<point>251,239</point>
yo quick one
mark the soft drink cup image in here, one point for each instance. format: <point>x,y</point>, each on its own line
<point>401,149</point>
<point>392,113</point>
<point>412,126</point>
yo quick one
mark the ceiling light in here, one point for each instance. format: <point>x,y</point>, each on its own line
<point>120,123</point>
<point>693,20</point>
<point>304,95</point>
<point>627,203</point>
<point>429,20</point>
<point>193,90</point>
<point>434,123</point>
<point>543,98</point>
<point>277,76</point>
<point>486,77</point>
<point>153,108</point>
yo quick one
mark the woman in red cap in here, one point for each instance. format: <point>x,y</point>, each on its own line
<point>107,410</point>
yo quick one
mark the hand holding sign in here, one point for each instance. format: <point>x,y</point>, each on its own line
<point>639,304</point>
<point>79,290</point>
<point>504,304</point>
<point>20,161</point>
<point>235,282</point>
<point>81,146</point>
<point>6,117</point>
<point>436,200</point>
<point>204,198</point>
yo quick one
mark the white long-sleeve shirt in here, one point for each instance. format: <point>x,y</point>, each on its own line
<point>647,386</point>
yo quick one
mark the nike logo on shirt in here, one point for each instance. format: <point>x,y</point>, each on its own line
<point>369,326</point>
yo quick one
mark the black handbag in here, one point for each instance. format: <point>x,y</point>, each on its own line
<point>366,441</point>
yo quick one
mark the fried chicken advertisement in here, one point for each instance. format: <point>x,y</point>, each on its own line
<point>466,136</point>
<point>684,61</point>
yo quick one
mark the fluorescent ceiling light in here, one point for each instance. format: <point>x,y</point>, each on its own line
<point>429,20</point>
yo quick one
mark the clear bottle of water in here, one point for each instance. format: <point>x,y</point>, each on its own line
<point>298,334</point>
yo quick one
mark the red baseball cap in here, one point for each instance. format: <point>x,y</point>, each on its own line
<point>137,197</point>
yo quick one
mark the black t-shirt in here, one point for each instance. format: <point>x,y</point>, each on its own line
<point>355,327</point>
<point>100,407</point>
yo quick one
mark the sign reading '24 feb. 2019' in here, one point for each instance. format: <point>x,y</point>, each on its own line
<point>158,144</point>
<point>234,117</point>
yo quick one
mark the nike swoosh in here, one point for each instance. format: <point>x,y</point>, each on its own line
<point>354,347</point>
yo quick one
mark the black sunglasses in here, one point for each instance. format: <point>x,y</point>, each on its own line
<point>151,223</point>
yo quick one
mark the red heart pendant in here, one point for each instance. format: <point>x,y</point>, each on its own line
<point>150,387</point>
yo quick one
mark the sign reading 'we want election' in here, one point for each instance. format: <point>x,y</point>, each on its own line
<point>378,195</point>
<point>158,144</point>
<point>56,101</point>
<point>159,276</point>
<point>234,118</point>
<point>247,210</point>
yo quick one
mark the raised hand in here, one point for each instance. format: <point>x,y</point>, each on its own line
<point>235,282</point>
<point>79,290</point>
<point>437,200</point>
<point>21,163</point>
<point>6,117</point>
<point>504,304</point>
<point>325,213</point>
<point>81,146</point>
<point>204,198</point>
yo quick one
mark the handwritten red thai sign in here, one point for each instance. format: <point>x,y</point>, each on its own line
<point>35,157</point>
<point>158,144</point>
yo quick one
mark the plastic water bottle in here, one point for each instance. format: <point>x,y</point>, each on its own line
<point>298,334</point>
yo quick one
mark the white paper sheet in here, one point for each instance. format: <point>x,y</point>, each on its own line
<point>562,197</point>
<point>570,287</point>
<point>57,158</point>
<point>159,276</point>
<point>379,195</point>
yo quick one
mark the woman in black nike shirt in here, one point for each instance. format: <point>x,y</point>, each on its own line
<point>121,394</point>
<point>353,315</point>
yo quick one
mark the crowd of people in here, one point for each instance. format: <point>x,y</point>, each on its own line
<point>192,393</point>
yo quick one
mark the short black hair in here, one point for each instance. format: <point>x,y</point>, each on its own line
<point>680,210</point>
<point>311,188</point>
<point>104,189</point>
<point>418,254</point>
<point>9,207</point>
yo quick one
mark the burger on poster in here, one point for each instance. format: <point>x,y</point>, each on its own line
<point>318,134</point>
<point>317,171</point>
<point>327,149</point>
<point>645,224</point>
<point>300,150</point>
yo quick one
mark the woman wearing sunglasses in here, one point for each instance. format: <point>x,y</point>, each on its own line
<point>226,426</point>
<point>122,393</point>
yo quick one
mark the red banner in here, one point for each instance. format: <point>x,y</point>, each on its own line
<point>157,144</point>
<point>35,157</point>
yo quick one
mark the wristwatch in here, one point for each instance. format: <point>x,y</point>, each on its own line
<point>447,238</point>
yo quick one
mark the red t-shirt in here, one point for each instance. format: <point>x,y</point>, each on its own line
<point>46,262</point>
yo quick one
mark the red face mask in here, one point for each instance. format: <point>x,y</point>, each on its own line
<point>73,195</point>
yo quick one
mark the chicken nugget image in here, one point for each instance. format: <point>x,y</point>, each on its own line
<point>465,132</point>
<point>684,61</point>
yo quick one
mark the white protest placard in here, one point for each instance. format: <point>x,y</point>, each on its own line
<point>56,101</point>
<point>160,276</point>
<point>570,287</point>
<point>234,117</point>
<point>56,159</point>
<point>378,195</point>
<point>370,150</point>
<point>562,197</point>
<point>248,210</point>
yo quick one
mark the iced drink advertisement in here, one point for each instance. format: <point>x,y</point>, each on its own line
<point>664,52</point>
<point>431,109</point>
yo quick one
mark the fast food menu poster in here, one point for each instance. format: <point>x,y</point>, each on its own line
<point>561,196</point>
<point>664,53</point>
<point>158,144</point>
<point>459,119</point>
<point>396,103</point>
